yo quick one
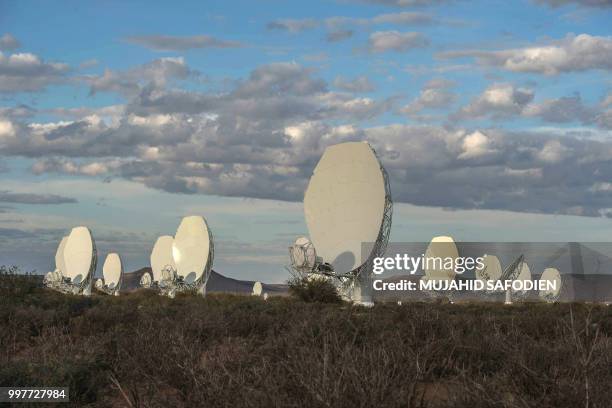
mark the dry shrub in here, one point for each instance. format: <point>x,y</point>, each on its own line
<point>313,290</point>
<point>142,349</point>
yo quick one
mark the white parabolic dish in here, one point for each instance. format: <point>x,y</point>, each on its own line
<point>191,248</point>
<point>551,275</point>
<point>161,256</point>
<point>524,275</point>
<point>442,248</point>
<point>257,288</point>
<point>79,254</point>
<point>344,204</point>
<point>112,270</point>
<point>59,256</point>
<point>492,270</point>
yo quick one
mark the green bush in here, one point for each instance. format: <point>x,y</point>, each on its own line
<point>314,290</point>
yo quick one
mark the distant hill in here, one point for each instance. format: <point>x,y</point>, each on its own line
<point>216,283</point>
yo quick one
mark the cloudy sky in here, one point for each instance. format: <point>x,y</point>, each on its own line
<point>493,118</point>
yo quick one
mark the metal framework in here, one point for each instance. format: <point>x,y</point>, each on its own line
<point>57,281</point>
<point>300,254</point>
<point>146,281</point>
<point>114,291</point>
<point>552,298</point>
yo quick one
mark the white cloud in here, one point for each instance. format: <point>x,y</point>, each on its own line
<point>475,145</point>
<point>382,41</point>
<point>573,53</point>
<point>500,99</point>
<point>262,138</point>
<point>25,72</point>
<point>175,43</point>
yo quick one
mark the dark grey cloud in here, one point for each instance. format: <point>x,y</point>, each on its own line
<point>399,3</point>
<point>8,43</point>
<point>20,111</point>
<point>25,72</point>
<point>154,74</point>
<point>14,233</point>
<point>256,110</point>
<point>292,25</point>
<point>263,137</point>
<point>358,84</point>
<point>587,3</point>
<point>280,78</point>
<point>339,35</point>
<point>403,18</point>
<point>341,27</point>
<point>435,94</point>
<point>504,100</point>
<point>175,43</point>
<point>498,100</point>
<point>562,110</point>
<point>572,54</point>
<point>453,168</point>
<point>517,171</point>
<point>33,198</point>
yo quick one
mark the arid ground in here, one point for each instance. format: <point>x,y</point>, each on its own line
<point>142,349</point>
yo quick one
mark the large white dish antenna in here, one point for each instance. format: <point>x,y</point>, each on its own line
<point>112,270</point>
<point>523,276</point>
<point>60,265</point>
<point>79,256</point>
<point>161,256</point>
<point>191,249</point>
<point>257,289</point>
<point>437,267</point>
<point>345,205</point>
<point>551,275</point>
<point>146,280</point>
<point>491,270</point>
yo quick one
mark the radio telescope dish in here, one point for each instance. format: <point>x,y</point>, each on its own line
<point>347,203</point>
<point>553,276</point>
<point>145,280</point>
<point>60,265</point>
<point>257,289</point>
<point>492,269</point>
<point>161,256</point>
<point>193,253</point>
<point>112,270</point>
<point>54,279</point>
<point>523,276</point>
<point>80,258</point>
<point>439,249</point>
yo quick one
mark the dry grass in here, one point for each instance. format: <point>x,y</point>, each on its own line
<point>232,351</point>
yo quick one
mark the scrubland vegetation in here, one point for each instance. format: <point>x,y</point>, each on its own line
<point>141,349</point>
